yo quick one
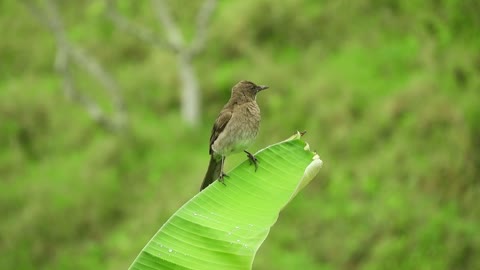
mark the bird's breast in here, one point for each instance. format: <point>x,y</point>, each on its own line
<point>240,131</point>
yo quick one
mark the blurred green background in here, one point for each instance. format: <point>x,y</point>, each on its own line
<point>389,92</point>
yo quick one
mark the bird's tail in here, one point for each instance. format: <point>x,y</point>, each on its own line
<point>213,172</point>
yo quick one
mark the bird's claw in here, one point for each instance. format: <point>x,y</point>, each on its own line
<point>221,179</point>
<point>252,159</point>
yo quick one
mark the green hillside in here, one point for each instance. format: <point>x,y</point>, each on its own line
<point>389,93</point>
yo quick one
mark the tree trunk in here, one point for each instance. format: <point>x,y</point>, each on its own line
<point>190,96</point>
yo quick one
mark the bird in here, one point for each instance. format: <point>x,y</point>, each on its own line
<point>234,130</point>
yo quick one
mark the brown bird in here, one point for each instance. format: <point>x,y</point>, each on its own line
<point>234,130</point>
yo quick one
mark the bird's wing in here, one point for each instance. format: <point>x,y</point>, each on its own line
<point>219,126</point>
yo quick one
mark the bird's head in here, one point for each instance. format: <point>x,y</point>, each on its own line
<point>247,89</point>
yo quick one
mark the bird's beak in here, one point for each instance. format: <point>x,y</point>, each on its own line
<point>261,87</point>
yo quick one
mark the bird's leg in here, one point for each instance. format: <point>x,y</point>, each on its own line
<point>252,159</point>
<point>222,174</point>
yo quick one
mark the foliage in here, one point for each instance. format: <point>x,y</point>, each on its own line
<point>223,227</point>
<point>390,91</point>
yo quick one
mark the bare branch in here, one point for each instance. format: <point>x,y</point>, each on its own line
<point>174,36</point>
<point>203,19</point>
<point>65,50</point>
<point>142,33</point>
<point>190,93</point>
<point>93,68</point>
<point>92,108</point>
<point>51,21</point>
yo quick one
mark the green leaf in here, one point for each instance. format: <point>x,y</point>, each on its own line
<point>223,226</point>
